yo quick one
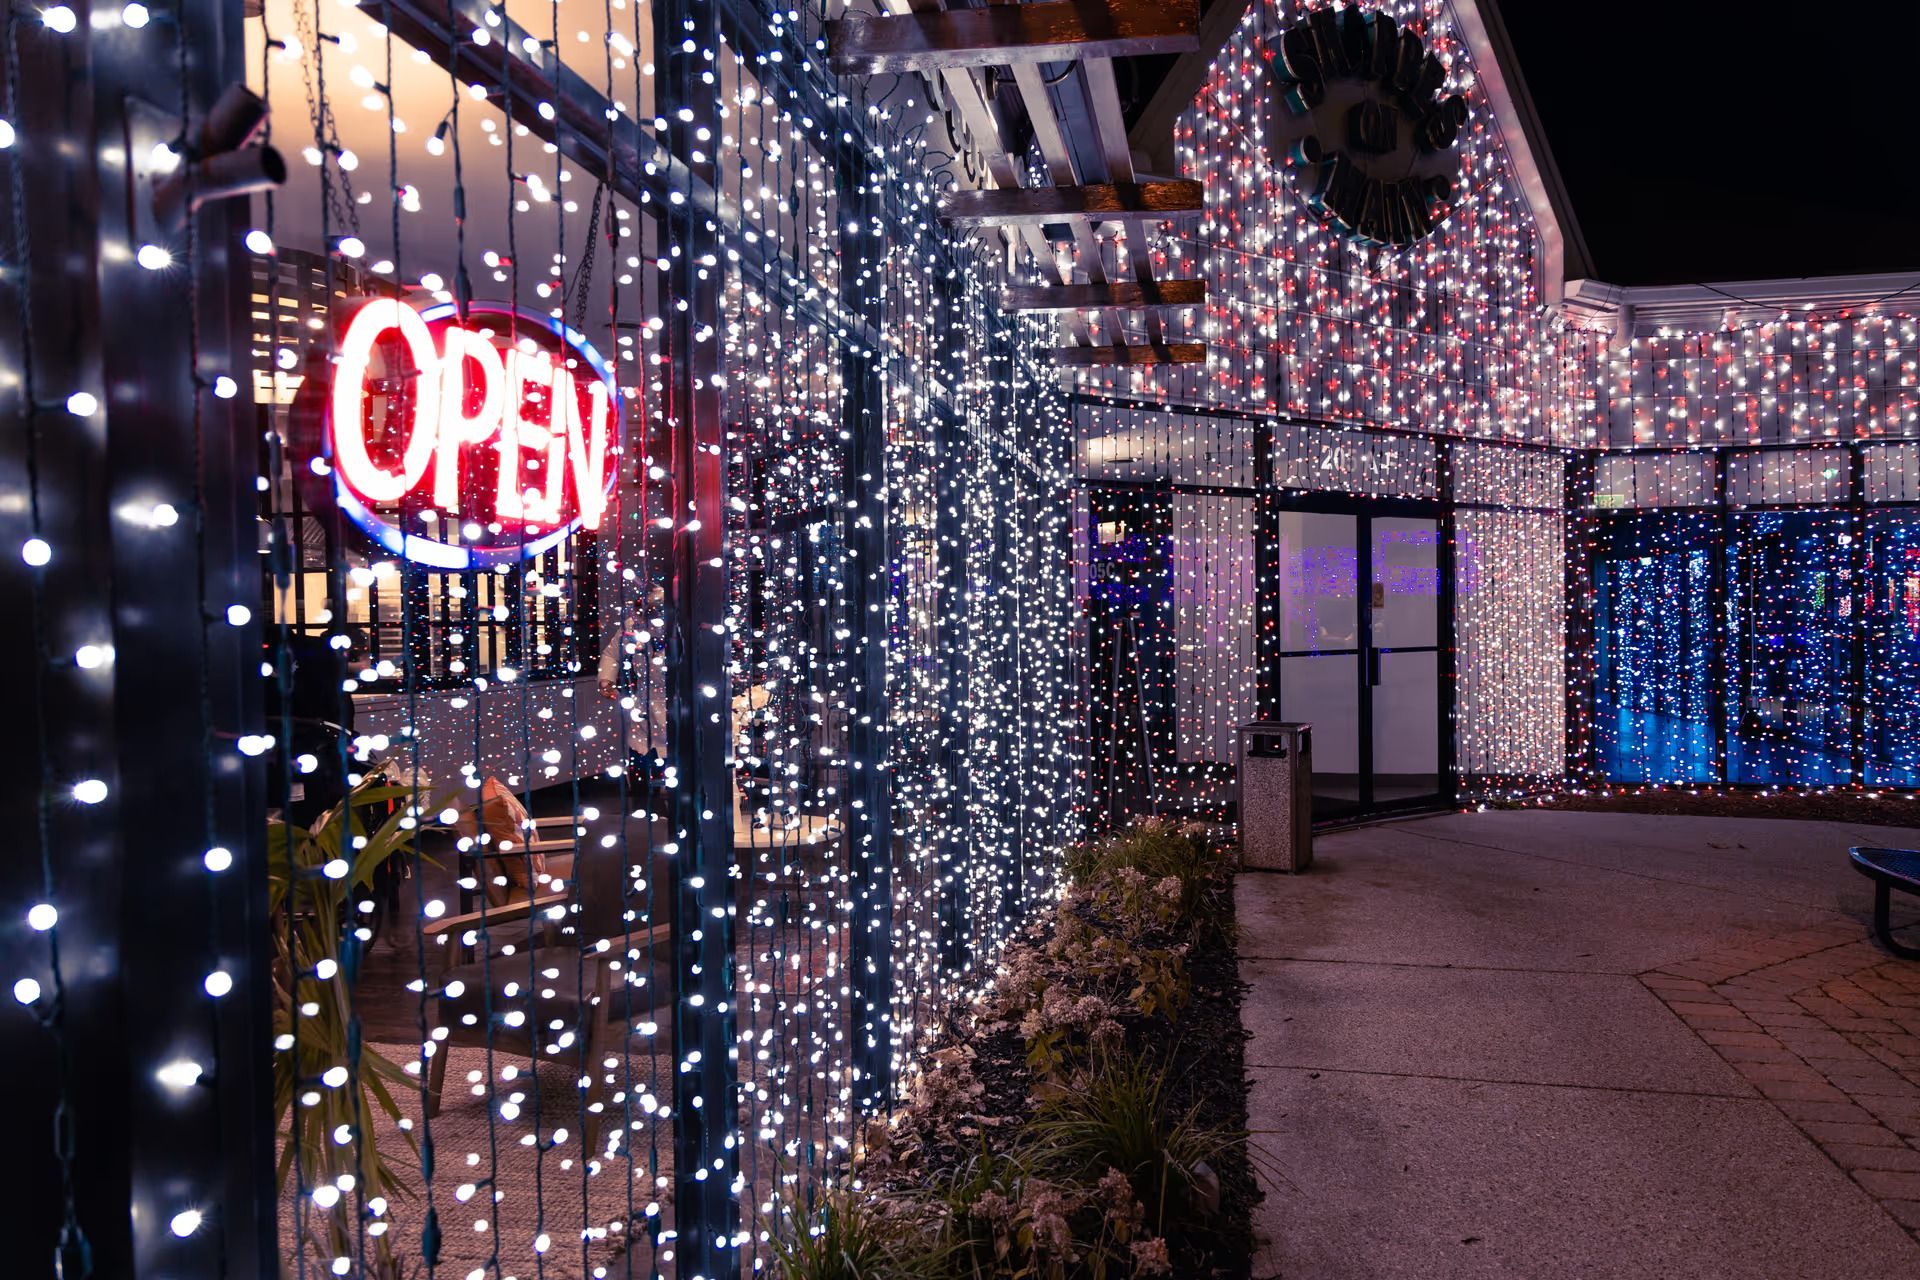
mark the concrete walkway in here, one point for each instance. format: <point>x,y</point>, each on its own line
<point>1546,1044</point>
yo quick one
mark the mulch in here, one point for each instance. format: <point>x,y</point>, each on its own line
<point>1209,1071</point>
<point>1859,806</point>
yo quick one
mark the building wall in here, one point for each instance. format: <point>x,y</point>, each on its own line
<point>1362,360</point>
<point>1313,331</point>
<point>1449,335</point>
<point>1851,375</point>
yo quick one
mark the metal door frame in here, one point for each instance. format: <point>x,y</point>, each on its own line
<point>1364,509</point>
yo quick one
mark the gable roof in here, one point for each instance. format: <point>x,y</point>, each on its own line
<point>1498,68</point>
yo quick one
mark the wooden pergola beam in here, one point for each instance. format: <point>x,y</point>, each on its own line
<point>1130,295</point>
<point>1028,206</point>
<point>1005,34</point>
<point>1138,354</point>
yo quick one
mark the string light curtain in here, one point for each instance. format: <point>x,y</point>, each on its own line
<point>1855,375</point>
<point>1180,585</point>
<point>137,948</point>
<point>638,755</point>
<point>1510,591</point>
<point>652,550</point>
<point>1750,615</point>
<point>1449,335</point>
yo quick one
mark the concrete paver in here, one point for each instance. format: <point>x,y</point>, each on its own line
<point>1597,1029</point>
<point>1532,1043</point>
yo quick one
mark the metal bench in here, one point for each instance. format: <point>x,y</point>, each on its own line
<point>1889,869</point>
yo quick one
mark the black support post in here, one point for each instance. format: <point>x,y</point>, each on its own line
<point>1266,576</point>
<point>1858,570</point>
<point>951,575</point>
<point>1583,761</point>
<point>1722,699</point>
<point>1447,635</point>
<point>699,731</point>
<point>869,791</point>
<point>70,1172</point>
<point>135,648</point>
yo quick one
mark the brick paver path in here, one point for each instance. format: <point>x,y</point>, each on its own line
<point>1826,1026</point>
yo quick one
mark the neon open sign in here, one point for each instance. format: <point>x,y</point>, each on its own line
<point>468,445</point>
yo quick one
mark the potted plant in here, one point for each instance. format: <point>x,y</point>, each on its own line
<point>315,876</point>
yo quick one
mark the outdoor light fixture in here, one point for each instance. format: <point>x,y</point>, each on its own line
<point>224,161</point>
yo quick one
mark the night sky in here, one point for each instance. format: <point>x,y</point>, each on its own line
<point>1718,141</point>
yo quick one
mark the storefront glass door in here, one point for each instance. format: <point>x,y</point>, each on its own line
<point>1359,657</point>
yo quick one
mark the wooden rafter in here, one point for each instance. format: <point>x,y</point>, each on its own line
<point>1136,354</point>
<point>1007,34</point>
<point>1027,206</point>
<point>956,47</point>
<point>1120,295</point>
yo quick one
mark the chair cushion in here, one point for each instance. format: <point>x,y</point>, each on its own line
<point>549,996</point>
<point>503,819</point>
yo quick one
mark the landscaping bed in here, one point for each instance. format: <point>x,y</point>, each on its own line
<point>1086,1116</point>
<point>1890,807</point>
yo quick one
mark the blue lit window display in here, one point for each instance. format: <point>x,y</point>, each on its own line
<point>1891,609</point>
<point>1730,648</point>
<point>1653,641</point>
<point>1791,670</point>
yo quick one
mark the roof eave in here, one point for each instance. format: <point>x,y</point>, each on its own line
<point>1498,67</point>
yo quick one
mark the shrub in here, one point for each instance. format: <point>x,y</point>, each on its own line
<point>858,1237</point>
<point>1156,851</point>
<point>1005,1220</point>
<point>1097,1174</point>
<point>1121,1120</point>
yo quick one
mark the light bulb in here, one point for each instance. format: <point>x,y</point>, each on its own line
<point>181,1073</point>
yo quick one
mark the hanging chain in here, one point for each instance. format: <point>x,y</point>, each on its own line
<point>575,300</point>
<point>326,130</point>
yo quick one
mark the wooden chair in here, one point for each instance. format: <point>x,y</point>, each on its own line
<point>556,975</point>
<point>505,855</point>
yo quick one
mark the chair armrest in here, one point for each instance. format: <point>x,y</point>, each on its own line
<point>639,939</point>
<point>494,853</point>
<point>506,913</point>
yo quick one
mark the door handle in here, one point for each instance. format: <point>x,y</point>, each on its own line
<point>1373,667</point>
